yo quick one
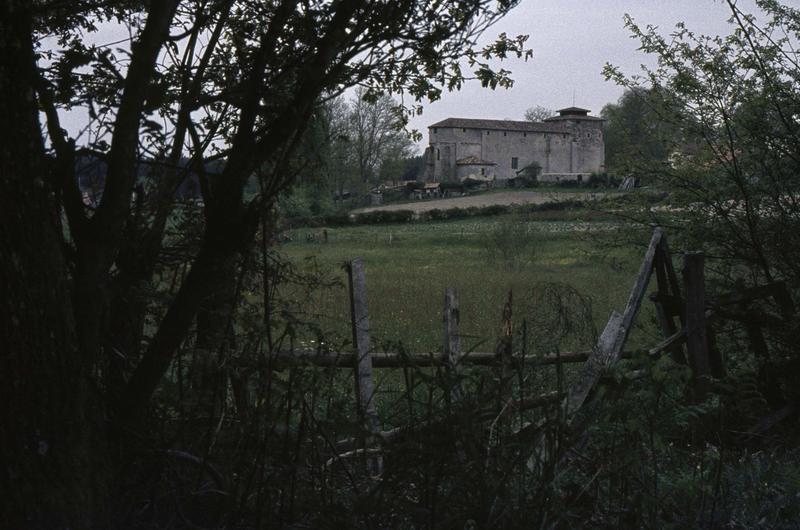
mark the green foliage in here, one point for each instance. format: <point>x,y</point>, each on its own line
<point>510,244</point>
<point>730,96</point>
<point>410,264</point>
<point>448,185</point>
<point>528,177</point>
<point>603,180</point>
<point>649,456</point>
<point>735,173</point>
<point>639,136</point>
<point>307,201</point>
<point>384,217</point>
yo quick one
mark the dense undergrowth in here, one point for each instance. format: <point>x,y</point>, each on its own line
<point>254,443</point>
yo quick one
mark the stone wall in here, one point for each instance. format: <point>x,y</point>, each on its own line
<point>577,149</point>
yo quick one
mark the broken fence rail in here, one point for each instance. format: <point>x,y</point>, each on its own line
<point>283,360</point>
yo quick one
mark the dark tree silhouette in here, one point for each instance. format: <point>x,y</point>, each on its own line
<point>223,82</point>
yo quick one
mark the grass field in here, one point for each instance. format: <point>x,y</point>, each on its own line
<point>408,267</point>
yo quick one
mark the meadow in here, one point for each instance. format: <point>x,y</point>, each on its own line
<point>408,267</point>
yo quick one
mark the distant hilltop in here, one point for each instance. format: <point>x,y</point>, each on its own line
<point>569,146</point>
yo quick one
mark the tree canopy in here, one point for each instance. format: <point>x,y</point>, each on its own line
<point>638,136</point>
<point>222,89</point>
<point>539,113</point>
<point>725,103</point>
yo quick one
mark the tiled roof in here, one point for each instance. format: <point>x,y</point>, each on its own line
<point>573,110</point>
<point>499,125</point>
<point>473,161</point>
<point>554,119</point>
<point>571,113</point>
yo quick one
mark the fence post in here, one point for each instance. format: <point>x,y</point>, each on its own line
<point>505,351</point>
<point>365,386</point>
<point>667,302</point>
<point>452,342</point>
<point>696,332</point>
<point>672,278</point>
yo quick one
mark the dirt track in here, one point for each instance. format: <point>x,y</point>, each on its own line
<point>486,199</point>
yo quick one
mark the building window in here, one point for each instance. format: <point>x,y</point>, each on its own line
<point>514,162</point>
<point>483,171</point>
<point>434,130</point>
<point>504,133</point>
<point>487,133</point>
<point>524,135</point>
<point>438,155</point>
<point>463,130</point>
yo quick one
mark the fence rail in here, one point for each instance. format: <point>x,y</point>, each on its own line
<point>684,316</point>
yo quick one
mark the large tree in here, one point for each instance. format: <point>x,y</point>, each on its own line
<point>230,82</point>
<point>638,134</point>
<point>730,100</point>
<point>733,178</point>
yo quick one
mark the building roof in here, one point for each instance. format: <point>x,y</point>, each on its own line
<point>473,161</point>
<point>500,125</point>
<point>573,110</point>
<point>571,113</point>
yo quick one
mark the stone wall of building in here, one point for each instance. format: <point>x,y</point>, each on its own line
<point>567,146</point>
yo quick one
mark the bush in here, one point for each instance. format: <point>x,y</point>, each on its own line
<point>495,209</point>
<point>339,219</point>
<point>556,206</point>
<point>509,243</point>
<point>434,215</point>
<point>415,185</point>
<point>451,186</point>
<point>603,180</point>
<point>384,217</point>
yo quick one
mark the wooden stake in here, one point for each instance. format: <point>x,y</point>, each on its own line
<point>452,341</point>
<point>365,386</point>
<point>665,311</point>
<point>505,351</point>
<point>696,338</point>
<point>639,289</point>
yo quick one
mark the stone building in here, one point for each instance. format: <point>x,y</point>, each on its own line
<point>566,147</point>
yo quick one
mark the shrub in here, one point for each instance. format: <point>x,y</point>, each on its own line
<point>451,186</point>
<point>603,180</point>
<point>509,243</point>
<point>339,219</point>
<point>495,209</point>
<point>384,217</point>
<point>458,213</point>
<point>434,215</point>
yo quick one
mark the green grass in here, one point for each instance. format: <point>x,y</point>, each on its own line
<point>409,266</point>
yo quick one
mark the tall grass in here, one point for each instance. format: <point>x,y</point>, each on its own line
<point>408,267</point>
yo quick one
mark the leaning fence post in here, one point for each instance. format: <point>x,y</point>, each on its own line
<point>365,386</point>
<point>452,342</point>
<point>696,332</point>
<point>667,303</point>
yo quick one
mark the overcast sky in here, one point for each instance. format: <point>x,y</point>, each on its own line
<point>571,41</point>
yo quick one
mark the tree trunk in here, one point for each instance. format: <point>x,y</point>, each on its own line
<point>49,444</point>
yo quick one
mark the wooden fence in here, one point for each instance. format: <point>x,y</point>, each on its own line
<point>684,316</point>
